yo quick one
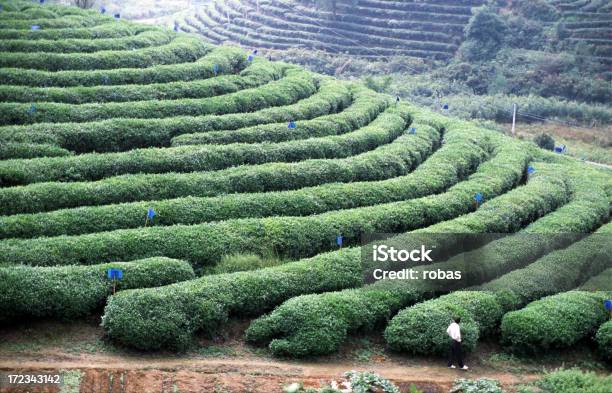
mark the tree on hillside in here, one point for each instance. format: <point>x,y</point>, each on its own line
<point>84,3</point>
<point>485,35</point>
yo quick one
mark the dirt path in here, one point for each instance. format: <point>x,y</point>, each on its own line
<point>113,373</point>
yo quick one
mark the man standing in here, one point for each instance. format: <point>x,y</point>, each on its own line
<point>454,331</point>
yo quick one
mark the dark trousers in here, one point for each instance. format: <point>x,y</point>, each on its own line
<point>455,354</point>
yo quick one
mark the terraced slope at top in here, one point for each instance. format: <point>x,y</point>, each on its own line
<point>588,22</point>
<point>132,147</point>
<point>373,28</point>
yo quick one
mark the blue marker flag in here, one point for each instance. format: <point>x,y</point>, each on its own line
<point>114,274</point>
<point>478,197</point>
<point>339,240</point>
<point>412,130</point>
<point>608,305</point>
<point>560,149</point>
<point>151,213</point>
<point>176,27</point>
<point>250,58</point>
<point>117,15</point>
<point>445,107</point>
<point>530,169</point>
<point>35,27</point>
<point>255,52</point>
<point>32,109</point>
<point>102,9</point>
<point>41,1</point>
<point>292,125</point>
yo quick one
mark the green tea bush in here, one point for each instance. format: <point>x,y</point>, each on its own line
<point>384,129</point>
<point>458,158</point>
<point>228,59</point>
<point>604,340</point>
<point>173,335</point>
<point>74,291</point>
<point>558,271</point>
<point>562,270</point>
<point>318,324</point>
<point>30,150</point>
<point>181,49</point>
<point>421,329</point>
<point>574,381</point>
<point>175,312</point>
<point>365,107</point>
<point>147,38</point>
<point>64,22</point>
<point>296,85</point>
<point>110,135</point>
<point>557,321</point>
<point>385,162</point>
<point>189,70</point>
<point>117,29</point>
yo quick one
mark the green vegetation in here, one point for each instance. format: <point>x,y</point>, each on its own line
<point>231,186</point>
<point>74,291</point>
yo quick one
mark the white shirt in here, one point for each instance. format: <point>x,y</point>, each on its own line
<point>454,331</point>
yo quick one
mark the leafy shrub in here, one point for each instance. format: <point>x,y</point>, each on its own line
<point>604,340</point>
<point>481,385</point>
<point>147,38</point>
<point>109,135</point>
<point>386,162</point>
<point>74,291</point>
<point>447,166</point>
<point>574,381</point>
<point>485,35</point>
<point>294,86</point>
<point>318,324</point>
<point>383,130</point>
<point>557,321</point>
<point>228,59</point>
<point>545,141</point>
<point>536,9</point>
<point>176,311</point>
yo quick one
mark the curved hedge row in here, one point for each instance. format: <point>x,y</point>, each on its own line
<point>557,321</point>
<point>385,162</point>
<point>69,292</point>
<point>604,340</point>
<point>109,30</point>
<point>293,86</point>
<point>197,69</point>
<point>181,49</point>
<point>30,150</point>
<point>601,282</point>
<point>408,331</point>
<point>318,324</point>
<point>383,130</point>
<point>228,60</point>
<point>110,135</point>
<point>442,169</point>
<point>205,244</point>
<point>365,107</point>
<point>147,38</point>
<point>175,312</point>
<point>175,332</point>
<point>64,22</point>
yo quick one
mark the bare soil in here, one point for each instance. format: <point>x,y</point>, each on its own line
<point>226,364</point>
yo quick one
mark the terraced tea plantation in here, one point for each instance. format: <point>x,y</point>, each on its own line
<point>372,29</point>
<point>589,23</point>
<point>134,151</point>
